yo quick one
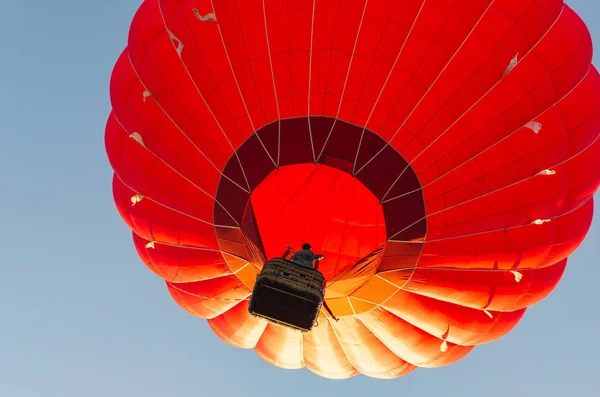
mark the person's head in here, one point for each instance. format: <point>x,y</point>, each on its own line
<point>306,246</point>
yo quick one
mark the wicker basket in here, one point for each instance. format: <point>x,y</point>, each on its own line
<point>288,294</point>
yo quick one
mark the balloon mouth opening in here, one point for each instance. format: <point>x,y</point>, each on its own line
<point>323,181</point>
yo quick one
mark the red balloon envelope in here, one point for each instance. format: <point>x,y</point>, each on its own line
<point>441,154</point>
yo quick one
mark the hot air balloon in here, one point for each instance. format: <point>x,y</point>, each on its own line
<point>442,155</point>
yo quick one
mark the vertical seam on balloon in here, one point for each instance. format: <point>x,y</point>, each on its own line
<point>200,93</point>
<point>312,30</point>
<point>386,82</point>
<point>430,86</point>
<point>237,83</point>
<point>274,85</point>
<point>468,110</point>
<point>490,193</point>
<point>177,172</point>
<point>179,128</point>
<point>346,80</point>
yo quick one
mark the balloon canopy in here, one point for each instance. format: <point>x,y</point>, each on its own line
<point>442,154</point>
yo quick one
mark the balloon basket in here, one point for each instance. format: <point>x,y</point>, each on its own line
<point>288,295</point>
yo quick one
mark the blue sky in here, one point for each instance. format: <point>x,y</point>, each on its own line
<point>81,315</point>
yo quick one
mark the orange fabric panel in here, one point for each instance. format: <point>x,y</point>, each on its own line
<point>324,355</point>
<point>281,347</point>
<point>237,327</point>
<point>354,277</point>
<point>366,352</point>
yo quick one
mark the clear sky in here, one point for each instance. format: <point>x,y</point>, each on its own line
<point>80,315</point>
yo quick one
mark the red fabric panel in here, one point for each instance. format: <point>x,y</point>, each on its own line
<point>505,190</point>
<point>500,35</point>
<point>409,342</point>
<point>155,222</point>
<point>154,178</point>
<point>324,355</point>
<point>182,264</point>
<point>188,152</point>
<point>242,28</point>
<point>436,35</point>
<point>496,290</point>
<point>366,352</point>
<point>330,209</point>
<point>209,298</point>
<point>158,65</point>
<point>526,246</point>
<point>461,325</point>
